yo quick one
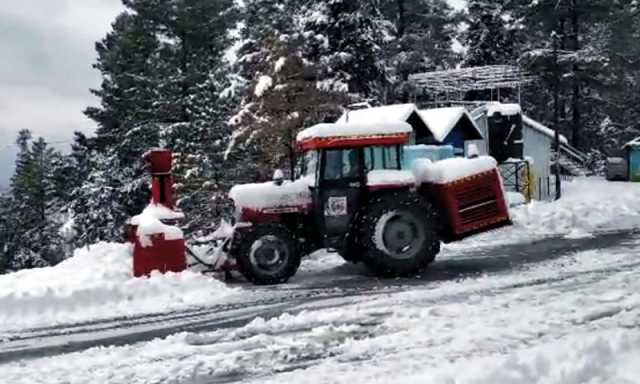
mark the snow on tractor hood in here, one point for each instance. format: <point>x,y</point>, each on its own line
<point>448,170</point>
<point>260,196</point>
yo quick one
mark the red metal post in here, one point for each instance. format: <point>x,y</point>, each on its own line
<point>159,164</point>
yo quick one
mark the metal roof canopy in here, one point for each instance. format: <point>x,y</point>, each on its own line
<point>473,78</point>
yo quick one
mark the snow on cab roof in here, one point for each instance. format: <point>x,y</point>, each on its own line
<point>441,121</point>
<point>328,130</point>
<point>383,114</point>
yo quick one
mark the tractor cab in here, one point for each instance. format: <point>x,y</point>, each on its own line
<point>340,158</point>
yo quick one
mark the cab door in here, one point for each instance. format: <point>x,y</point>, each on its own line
<point>339,194</point>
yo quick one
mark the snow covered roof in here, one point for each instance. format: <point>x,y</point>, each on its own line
<point>503,109</point>
<point>441,121</point>
<point>383,114</point>
<point>635,143</point>
<point>527,121</point>
<point>354,134</point>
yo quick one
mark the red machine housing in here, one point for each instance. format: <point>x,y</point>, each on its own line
<point>470,205</point>
<point>163,255</point>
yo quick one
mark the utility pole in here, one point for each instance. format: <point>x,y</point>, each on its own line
<point>556,113</point>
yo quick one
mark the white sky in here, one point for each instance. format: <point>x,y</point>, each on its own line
<point>45,68</point>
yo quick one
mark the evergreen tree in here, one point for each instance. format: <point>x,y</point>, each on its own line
<point>35,205</point>
<point>420,39</point>
<point>161,81</point>
<point>491,34</point>
<point>345,43</point>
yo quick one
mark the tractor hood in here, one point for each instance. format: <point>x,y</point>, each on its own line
<point>271,198</point>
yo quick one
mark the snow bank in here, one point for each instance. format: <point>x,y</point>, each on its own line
<point>390,177</point>
<point>267,195</point>
<point>448,170</point>
<point>587,205</point>
<point>354,129</point>
<point>97,283</point>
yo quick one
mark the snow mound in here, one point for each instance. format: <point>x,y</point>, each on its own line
<point>97,283</point>
<point>448,170</point>
<point>269,194</point>
<point>586,206</point>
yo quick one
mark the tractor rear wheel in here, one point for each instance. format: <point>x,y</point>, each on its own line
<point>268,254</point>
<point>399,234</point>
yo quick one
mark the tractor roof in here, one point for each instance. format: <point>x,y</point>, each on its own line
<point>341,135</point>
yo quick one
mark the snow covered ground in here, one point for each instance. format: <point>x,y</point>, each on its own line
<point>97,283</point>
<point>571,320</point>
<point>566,318</point>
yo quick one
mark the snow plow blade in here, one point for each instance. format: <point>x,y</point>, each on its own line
<point>470,205</point>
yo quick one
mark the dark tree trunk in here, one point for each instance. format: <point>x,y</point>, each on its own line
<point>575,97</point>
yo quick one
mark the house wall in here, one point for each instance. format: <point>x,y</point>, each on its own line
<point>483,145</point>
<point>537,146</point>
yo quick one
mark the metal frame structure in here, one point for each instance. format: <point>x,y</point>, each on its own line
<point>490,77</point>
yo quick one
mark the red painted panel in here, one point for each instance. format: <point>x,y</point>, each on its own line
<point>353,141</point>
<point>472,204</point>
<point>163,255</point>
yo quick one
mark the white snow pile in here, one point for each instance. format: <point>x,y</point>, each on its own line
<point>97,283</point>
<point>442,120</point>
<point>587,205</point>
<point>149,223</point>
<point>271,195</point>
<point>354,129</point>
<point>448,170</point>
<point>390,177</point>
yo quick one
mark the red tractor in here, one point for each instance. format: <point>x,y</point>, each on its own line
<point>352,195</point>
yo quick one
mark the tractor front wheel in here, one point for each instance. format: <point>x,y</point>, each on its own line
<point>399,234</point>
<point>268,254</point>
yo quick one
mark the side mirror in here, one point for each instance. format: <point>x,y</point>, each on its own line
<point>278,177</point>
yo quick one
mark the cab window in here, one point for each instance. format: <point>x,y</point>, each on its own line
<point>387,157</point>
<point>341,164</point>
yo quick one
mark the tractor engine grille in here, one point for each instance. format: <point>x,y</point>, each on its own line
<point>470,205</point>
<point>476,203</point>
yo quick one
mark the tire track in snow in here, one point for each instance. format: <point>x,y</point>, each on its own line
<point>497,260</point>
